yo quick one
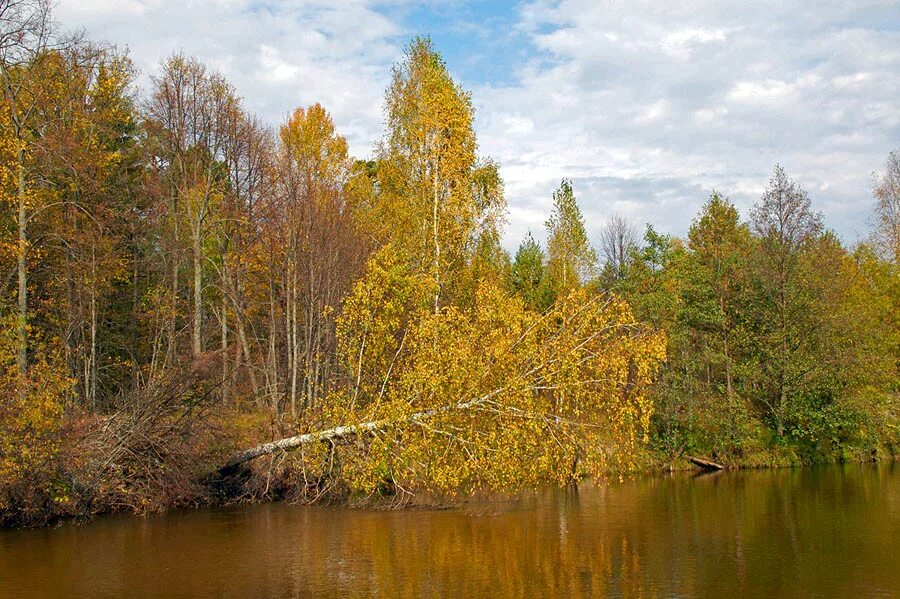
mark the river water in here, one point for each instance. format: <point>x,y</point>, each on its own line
<point>829,532</point>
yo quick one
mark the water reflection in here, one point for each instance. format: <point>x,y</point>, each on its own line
<point>829,533</point>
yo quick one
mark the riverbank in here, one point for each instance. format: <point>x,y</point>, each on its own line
<point>77,485</point>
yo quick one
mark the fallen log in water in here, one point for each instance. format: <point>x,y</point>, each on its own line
<point>705,464</point>
<point>340,432</point>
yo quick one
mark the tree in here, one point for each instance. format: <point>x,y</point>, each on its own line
<point>435,196</point>
<point>87,148</point>
<point>703,408</point>
<point>786,227</point>
<point>716,264</point>
<point>248,160</point>
<point>552,395</point>
<point>571,259</point>
<point>887,207</point>
<point>528,272</point>
<point>69,111</point>
<point>651,285</point>
<point>319,247</point>
<point>617,239</point>
<point>189,114</point>
<point>26,38</point>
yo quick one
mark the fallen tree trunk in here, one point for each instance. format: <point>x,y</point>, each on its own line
<point>705,464</point>
<point>339,432</point>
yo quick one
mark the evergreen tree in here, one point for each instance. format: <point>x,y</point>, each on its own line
<point>528,274</point>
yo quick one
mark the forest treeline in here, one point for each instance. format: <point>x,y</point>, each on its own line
<point>180,281</point>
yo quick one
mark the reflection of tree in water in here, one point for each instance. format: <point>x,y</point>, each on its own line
<point>743,534</point>
<point>830,532</point>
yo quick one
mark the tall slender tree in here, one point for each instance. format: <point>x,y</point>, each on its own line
<point>786,227</point>
<point>715,270</point>
<point>320,247</point>
<point>617,240</point>
<point>26,37</point>
<point>434,191</point>
<point>887,207</point>
<point>189,114</point>
<point>571,259</point>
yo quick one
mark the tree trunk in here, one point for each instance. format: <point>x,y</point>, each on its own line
<point>728,383</point>
<point>92,371</point>
<point>225,364</point>
<point>197,339</point>
<point>245,347</point>
<point>705,464</point>
<point>135,299</point>
<point>437,244</point>
<point>70,346</point>
<point>271,370</point>
<point>173,308</point>
<point>291,443</point>
<point>22,250</point>
<point>293,340</point>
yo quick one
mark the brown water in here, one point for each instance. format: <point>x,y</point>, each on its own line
<point>831,532</point>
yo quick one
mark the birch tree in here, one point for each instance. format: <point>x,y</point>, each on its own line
<point>571,259</point>
<point>433,198</point>
<point>321,250</point>
<point>189,119</point>
<point>26,35</point>
<point>887,207</point>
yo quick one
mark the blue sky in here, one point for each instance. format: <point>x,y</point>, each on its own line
<point>646,106</point>
<point>480,40</point>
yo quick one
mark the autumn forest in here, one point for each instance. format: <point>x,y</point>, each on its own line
<point>199,307</point>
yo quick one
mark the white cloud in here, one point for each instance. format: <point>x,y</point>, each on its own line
<point>760,92</point>
<point>683,42</point>
<point>517,125</point>
<point>88,8</point>
<point>851,81</point>
<point>652,113</point>
<point>646,105</point>
<point>274,68</point>
<point>278,54</point>
<point>666,101</point>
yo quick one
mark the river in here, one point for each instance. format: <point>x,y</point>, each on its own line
<point>825,532</point>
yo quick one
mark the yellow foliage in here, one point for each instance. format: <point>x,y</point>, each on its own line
<point>434,193</point>
<point>311,144</point>
<point>374,316</point>
<point>495,397</point>
<point>30,414</point>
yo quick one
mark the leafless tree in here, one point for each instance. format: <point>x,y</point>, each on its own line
<point>887,207</point>
<point>616,240</point>
<point>25,29</point>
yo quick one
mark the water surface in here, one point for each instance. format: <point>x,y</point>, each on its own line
<point>831,532</point>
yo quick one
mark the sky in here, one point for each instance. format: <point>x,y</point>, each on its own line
<point>646,106</point>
